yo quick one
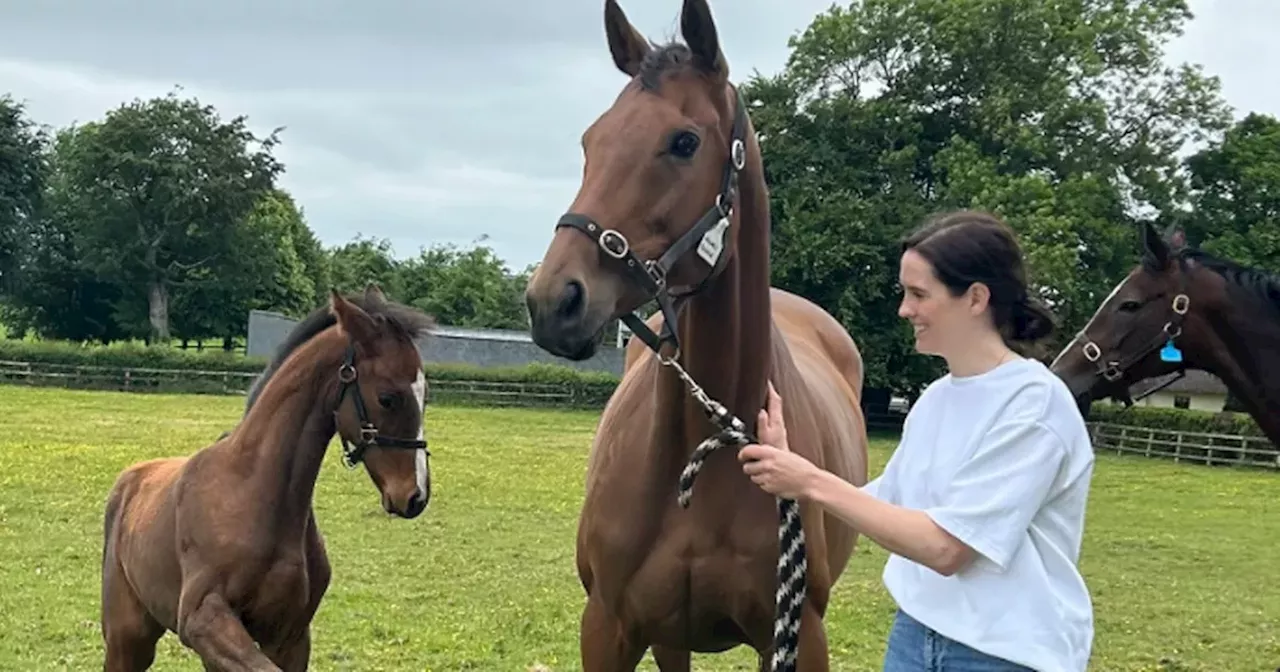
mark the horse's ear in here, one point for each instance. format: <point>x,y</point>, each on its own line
<point>699,31</point>
<point>352,319</point>
<point>1155,251</point>
<point>373,294</point>
<point>626,44</point>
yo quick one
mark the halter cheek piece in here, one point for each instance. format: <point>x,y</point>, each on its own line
<point>369,436</point>
<point>707,234</point>
<point>1114,369</point>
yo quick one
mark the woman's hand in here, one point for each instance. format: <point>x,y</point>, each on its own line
<point>770,463</point>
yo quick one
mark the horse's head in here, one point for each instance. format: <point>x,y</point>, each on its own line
<point>1139,330</point>
<point>381,395</point>
<point>655,206</point>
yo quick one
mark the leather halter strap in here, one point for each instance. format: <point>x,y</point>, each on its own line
<point>369,435</point>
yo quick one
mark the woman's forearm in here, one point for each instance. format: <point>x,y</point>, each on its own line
<point>906,532</point>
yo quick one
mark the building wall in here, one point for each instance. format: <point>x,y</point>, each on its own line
<point>480,347</point>
<point>1200,401</point>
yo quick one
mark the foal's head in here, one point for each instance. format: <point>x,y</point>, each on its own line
<point>655,164</point>
<point>381,395</point>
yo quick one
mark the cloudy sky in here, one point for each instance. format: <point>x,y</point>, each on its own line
<point>425,122</point>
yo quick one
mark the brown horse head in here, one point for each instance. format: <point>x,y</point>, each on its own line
<point>1143,329</point>
<point>659,179</point>
<point>381,400</point>
<point>378,391</point>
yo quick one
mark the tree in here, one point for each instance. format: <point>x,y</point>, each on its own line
<point>1235,186</point>
<point>23,166</point>
<point>466,288</point>
<point>1060,117</point>
<point>155,192</point>
<point>269,266</point>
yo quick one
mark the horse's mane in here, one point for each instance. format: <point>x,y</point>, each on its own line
<point>402,320</point>
<point>1261,284</point>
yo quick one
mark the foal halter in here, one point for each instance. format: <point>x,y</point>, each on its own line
<point>369,435</point>
<point>708,234</point>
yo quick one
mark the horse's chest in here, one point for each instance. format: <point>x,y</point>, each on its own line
<point>279,596</point>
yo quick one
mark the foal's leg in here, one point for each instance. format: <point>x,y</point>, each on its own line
<point>207,625</point>
<point>671,660</point>
<point>129,633</point>
<point>606,647</point>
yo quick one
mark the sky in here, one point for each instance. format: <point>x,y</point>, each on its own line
<point>441,122</point>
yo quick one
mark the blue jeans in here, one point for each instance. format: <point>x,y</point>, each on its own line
<point>913,647</point>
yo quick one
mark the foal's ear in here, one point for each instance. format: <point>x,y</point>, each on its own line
<point>352,319</point>
<point>699,31</point>
<point>626,43</point>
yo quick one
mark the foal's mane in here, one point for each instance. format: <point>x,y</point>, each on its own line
<point>1258,283</point>
<point>401,320</point>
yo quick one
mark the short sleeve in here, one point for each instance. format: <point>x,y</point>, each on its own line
<point>994,495</point>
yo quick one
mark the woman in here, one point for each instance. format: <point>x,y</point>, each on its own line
<point>982,504</point>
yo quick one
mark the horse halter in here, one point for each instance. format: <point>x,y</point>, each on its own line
<point>369,435</point>
<point>1113,370</point>
<point>707,234</point>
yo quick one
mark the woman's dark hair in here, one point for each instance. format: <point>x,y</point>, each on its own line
<point>968,246</point>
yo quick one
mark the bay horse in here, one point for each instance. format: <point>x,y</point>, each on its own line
<point>1179,309</point>
<point>222,547</point>
<point>673,167</point>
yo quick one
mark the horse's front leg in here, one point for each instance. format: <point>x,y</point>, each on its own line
<point>207,626</point>
<point>295,655</point>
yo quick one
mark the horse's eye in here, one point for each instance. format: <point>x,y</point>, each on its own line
<point>684,144</point>
<point>388,401</point>
<point>1130,306</point>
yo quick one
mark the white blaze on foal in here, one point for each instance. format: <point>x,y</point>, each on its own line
<point>420,456</point>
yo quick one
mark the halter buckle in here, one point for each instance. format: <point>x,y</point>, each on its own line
<point>1181,303</point>
<point>347,373</point>
<point>614,244</point>
<point>1091,351</point>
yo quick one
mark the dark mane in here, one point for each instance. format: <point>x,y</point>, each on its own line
<point>1259,283</point>
<point>661,59</point>
<point>402,320</point>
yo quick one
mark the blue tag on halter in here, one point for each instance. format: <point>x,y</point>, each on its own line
<point>1170,352</point>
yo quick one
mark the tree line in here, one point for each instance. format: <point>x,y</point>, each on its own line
<point>164,221</point>
<point>1064,118</point>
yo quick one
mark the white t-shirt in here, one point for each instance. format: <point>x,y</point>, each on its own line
<point>1002,460</point>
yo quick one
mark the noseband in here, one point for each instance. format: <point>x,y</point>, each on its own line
<point>1113,370</point>
<point>369,436</point>
<point>707,234</point>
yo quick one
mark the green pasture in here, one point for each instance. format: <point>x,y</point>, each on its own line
<point>1181,559</point>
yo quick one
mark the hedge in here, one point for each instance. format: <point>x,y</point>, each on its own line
<point>1176,419</point>
<point>132,355</point>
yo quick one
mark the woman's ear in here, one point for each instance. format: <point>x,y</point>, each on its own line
<point>979,297</point>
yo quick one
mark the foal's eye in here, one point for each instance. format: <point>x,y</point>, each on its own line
<point>388,401</point>
<point>1130,306</point>
<point>684,144</point>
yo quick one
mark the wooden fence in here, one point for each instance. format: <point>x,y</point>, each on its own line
<point>1184,446</point>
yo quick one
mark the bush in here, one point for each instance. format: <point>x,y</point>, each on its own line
<point>1175,419</point>
<point>582,388</point>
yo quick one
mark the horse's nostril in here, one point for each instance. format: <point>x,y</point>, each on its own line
<point>416,504</point>
<point>571,302</point>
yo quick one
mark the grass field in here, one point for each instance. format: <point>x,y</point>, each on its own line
<point>1177,557</point>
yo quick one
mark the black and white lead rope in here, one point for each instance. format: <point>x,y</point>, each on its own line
<point>792,564</point>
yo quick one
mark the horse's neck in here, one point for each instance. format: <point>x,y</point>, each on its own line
<point>285,434</point>
<point>726,331</point>
<point>1247,360</point>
